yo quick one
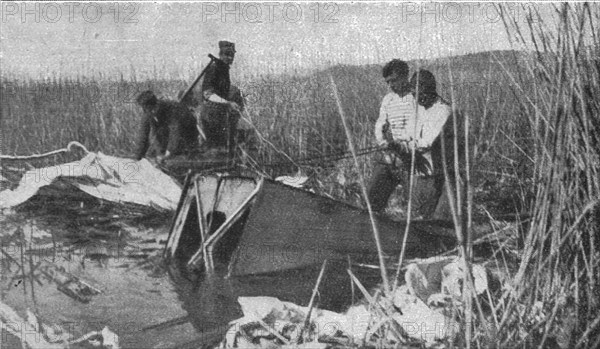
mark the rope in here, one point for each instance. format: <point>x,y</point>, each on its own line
<point>68,148</point>
<point>338,156</point>
<point>327,158</point>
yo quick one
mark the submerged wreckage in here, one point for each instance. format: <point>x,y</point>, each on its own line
<point>253,225</point>
<point>243,224</point>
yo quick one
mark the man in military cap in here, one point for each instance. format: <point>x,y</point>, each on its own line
<point>217,115</point>
<point>170,125</point>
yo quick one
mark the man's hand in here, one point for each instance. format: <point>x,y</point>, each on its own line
<point>234,106</point>
<point>412,144</point>
<point>397,147</point>
<point>384,144</point>
<point>161,158</point>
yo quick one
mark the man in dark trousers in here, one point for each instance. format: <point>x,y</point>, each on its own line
<point>425,128</point>
<point>168,125</point>
<point>218,121</point>
<point>394,131</point>
<point>436,140</point>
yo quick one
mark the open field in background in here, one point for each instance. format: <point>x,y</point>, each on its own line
<point>297,114</point>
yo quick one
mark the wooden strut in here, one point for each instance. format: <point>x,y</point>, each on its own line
<point>205,252</point>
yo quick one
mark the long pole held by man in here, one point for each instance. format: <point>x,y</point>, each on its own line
<point>191,87</point>
<point>189,90</point>
<point>217,109</point>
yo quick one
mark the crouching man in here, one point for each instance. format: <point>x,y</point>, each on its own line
<point>168,128</point>
<point>394,131</point>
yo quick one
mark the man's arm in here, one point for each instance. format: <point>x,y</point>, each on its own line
<point>208,89</point>
<point>447,136</point>
<point>430,125</point>
<point>381,122</point>
<point>209,82</point>
<point>180,120</point>
<point>143,138</point>
<point>174,143</point>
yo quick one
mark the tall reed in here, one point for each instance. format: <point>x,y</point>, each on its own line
<point>558,278</point>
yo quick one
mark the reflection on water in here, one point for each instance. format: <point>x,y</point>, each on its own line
<point>211,300</point>
<point>136,291</point>
<point>42,263</point>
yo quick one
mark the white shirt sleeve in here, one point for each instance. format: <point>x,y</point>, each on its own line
<point>431,123</point>
<point>216,99</point>
<point>381,122</point>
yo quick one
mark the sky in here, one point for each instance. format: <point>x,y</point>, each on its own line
<point>172,39</point>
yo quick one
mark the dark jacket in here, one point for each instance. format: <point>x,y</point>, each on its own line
<point>216,80</point>
<point>174,128</point>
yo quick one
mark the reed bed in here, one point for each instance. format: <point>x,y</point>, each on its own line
<point>534,131</point>
<point>554,296</point>
<point>297,114</point>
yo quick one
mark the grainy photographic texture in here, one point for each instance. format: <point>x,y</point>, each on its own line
<point>332,174</point>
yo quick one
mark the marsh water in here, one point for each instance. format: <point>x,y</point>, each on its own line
<point>120,254</point>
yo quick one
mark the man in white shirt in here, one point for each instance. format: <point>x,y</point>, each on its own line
<point>394,129</point>
<point>435,125</point>
<point>410,127</point>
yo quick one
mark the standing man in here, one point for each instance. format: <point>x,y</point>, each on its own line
<point>170,125</point>
<point>436,140</point>
<point>394,130</point>
<point>216,118</point>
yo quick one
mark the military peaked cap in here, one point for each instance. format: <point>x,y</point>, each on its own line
<point>226,46</point>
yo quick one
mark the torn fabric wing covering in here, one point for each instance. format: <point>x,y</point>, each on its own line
<point>106,177</point>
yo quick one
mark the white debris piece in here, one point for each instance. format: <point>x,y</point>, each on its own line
<point>110,340</point>
<point>106,177</point>
<point>424,277</point>
<point>287,320</point>
<point>453,278</point>
<point>439,276</point>
<point>296,181</point>
<point>418,320</point>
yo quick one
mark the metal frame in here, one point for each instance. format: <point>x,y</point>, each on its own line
<point>206,252</point>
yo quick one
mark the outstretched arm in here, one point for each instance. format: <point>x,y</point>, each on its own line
<point>143,138</point>
<point>379,125</point>
<point>447,137</point>
<point>208,90</point>
<point>431,124</point>
<point>174,144</point>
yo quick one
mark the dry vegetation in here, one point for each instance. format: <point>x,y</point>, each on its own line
<point>535,126</point>
<point>297,114</point>
<point>557,278</point>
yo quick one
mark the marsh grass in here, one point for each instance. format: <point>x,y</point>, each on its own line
<point>557,281</point>
<point>535,147</point>
<point>297,114</point>
<point>550,295</point>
